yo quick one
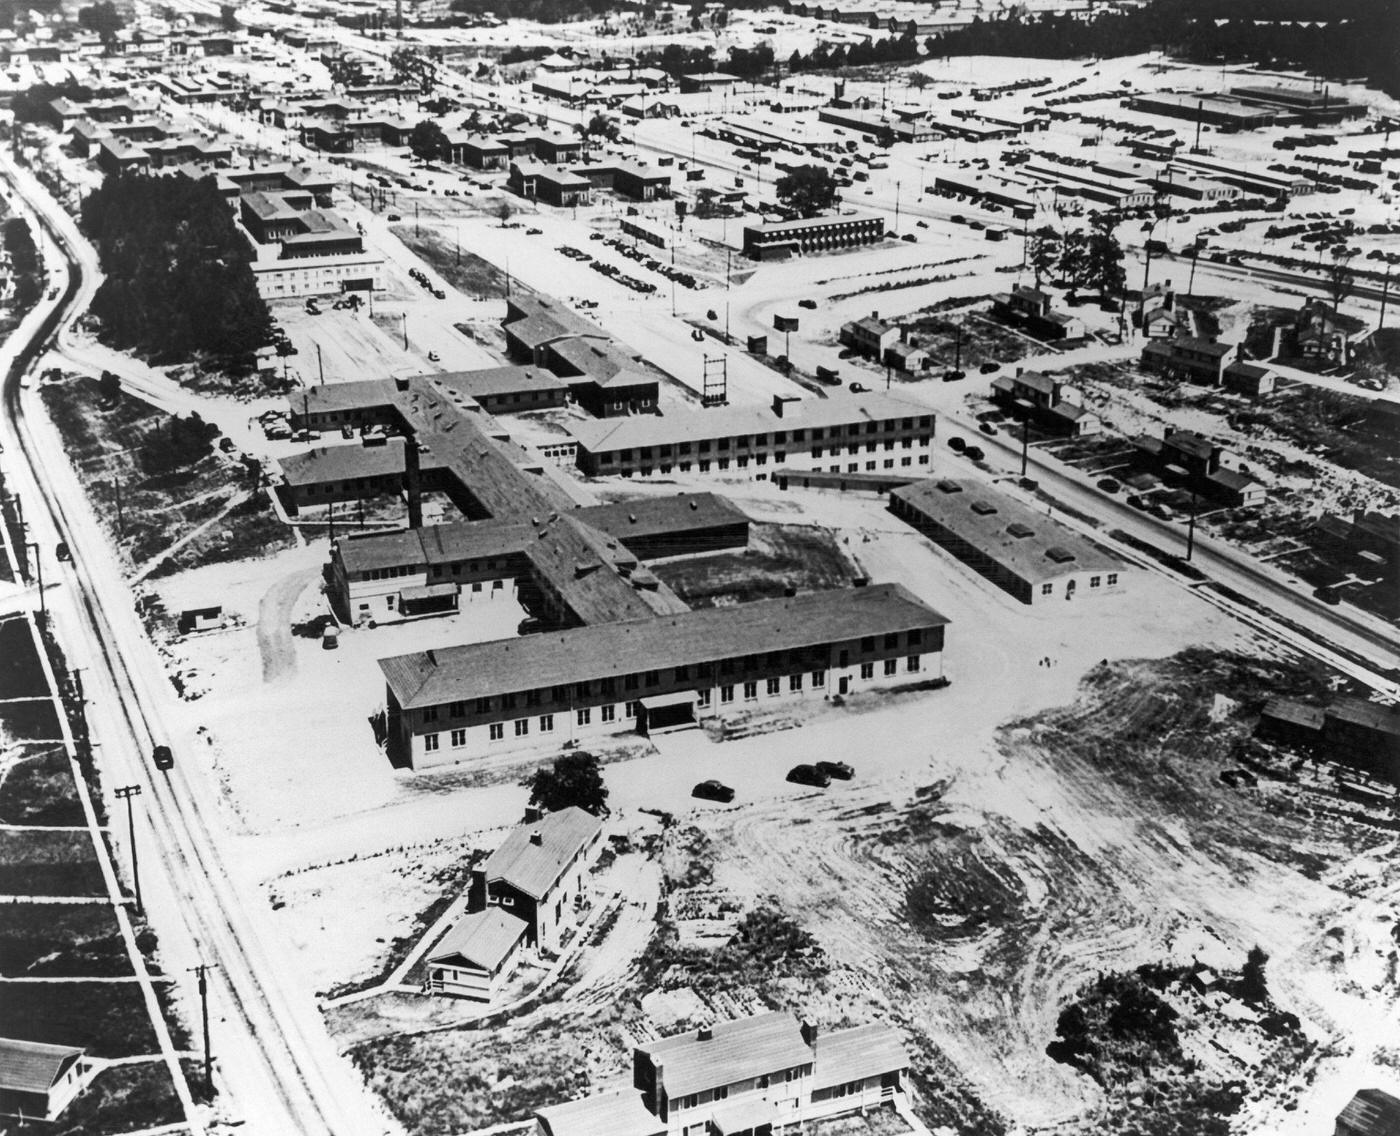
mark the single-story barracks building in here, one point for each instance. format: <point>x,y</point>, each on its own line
<point>655,674</point>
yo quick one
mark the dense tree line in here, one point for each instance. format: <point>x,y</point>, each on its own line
<point>32,105</point>
<point>24,262</point>
<point>1357,39</point>
<point>178,281</point>
<point>545,11</point>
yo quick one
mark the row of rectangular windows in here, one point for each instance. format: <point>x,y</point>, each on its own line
<point>584,716</point>
<point>682,674</point>
<point>1094,582</point>
<point>780,436</point>
<point>704,466</point>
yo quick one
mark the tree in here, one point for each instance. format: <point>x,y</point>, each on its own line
<point>109,387</point>
<point>1253,985</point>
<point>1340,277</point>
<point>102,18</point>
<point>1072,265</point>
<point>228,17</point>
<point>808,190</point>
<point>919,80</point>
<point>1043,252</point>
<point>601,126</point>
<point>427,140</point>
<point>576,780</point>
<point>1104,259</point>
<point>504,210</point>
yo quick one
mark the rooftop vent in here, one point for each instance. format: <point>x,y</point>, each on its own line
<point>1020,531</point>
<point>536,838</point>
<point>1059,555</point>
<point>949,486</point>
<point>983,508</point>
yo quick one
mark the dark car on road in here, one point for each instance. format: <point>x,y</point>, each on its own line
<point>713,791</point>
<point>162,758</point>
<point>956,444</point>
<point>809,304</point>
<point>989,368</point>
<point>809,775</point>
<point>61,551</point>
<point>974,452</point>
<point>987,428</point>
<point>1109,484</point>
<point>837,770</point>
<point>954,376</point>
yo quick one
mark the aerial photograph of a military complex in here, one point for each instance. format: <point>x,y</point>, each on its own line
<point>702,568</point>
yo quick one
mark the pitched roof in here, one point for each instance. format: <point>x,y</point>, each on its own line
<point>604,434</point>
<point>1372,1112</point>
<point>431,678</point>
<point>483,937</point>
<point>31,1066</point>
<point>727,1052</point>
<point>854,1054</point>
<point>533,857</point>
<point>1026,541</point>
<point>618,1113</point>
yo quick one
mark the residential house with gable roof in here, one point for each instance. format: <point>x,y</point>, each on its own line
<point>38,1081</point>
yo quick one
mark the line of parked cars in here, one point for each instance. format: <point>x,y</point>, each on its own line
<point>818,774</point>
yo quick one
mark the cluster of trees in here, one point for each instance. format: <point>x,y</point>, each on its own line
<point>1356,37</point>
<point>32,104</point>
<point>827,57</point>
<point>24,261</point>
<point>1082,260</point>
<point>102,18</point>
<point>176,445</point>
<point>178,276</point>
<point>807,190</point>
<point>545,11</point>
<point>574,780</point>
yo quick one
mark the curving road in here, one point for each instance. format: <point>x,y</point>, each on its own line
<point>276,1065</point>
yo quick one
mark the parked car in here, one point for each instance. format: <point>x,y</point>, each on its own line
<point>956,444</point>
<point>533,232</point>
<point>838,770</point>
<point>954,376</point>
<point>162,758</point>
<point>859,388</point>
<point>713,791</point>
<point>809,304</point>
<point>1136,502</point>
<point>62,552</point>
<point>988,429</point>
<point>1109,484</point>
<point>809,775</point>
<point>393,217</point>
<point>974,452</point>
<point>989,368</point>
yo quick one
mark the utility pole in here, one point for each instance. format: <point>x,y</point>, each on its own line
<point>77,674</point>
<point>1385,295</point>
<point>1191,528</point>
<point>404,317</point>
<point>320,366</point>
<point>957,347</point>
<point>1195,255</point>
<point>39,572</point>
<point>415,218</point>
<point>1025,443</point>
<point>125,793</point>
<point>203,971</point>
<point>896,204</point>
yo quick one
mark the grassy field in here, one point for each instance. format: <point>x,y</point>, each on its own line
<point>122,447</point>
<point>53,940</point>
<point>20,673</point>
<point>108,1018</point>
<point>778,557</point>
<point>466,272</point>
<point>48,863</point>
<point>983,339</point>
<point>127,1098</point>
<point>29,719</point>
<point>38,787</point>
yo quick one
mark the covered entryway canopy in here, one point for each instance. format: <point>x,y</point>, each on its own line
<point>662,713</point>
<point>426,599</point>
<point>756,1115</point>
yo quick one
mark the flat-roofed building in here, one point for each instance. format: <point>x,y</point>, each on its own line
<point>776,240</point>
<point>1019,549</point>
<point>649,675</point>
<point>847,433</point>
<point>1221,111</point>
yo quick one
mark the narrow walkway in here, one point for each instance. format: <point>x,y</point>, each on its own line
<point>199,530</point>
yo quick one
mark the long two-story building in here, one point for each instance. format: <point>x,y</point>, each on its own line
<point>650,675</point>
<point>846,433</point>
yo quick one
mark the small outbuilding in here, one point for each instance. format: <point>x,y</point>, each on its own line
<point>38,1081</point>
<point>477,957</point>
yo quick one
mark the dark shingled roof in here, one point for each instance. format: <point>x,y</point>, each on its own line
<point>733,1051</point>
<point>534,868</point>
<point>431,678</point>
<point>31,1066</point>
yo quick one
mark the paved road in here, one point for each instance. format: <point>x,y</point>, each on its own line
<point>276,1064</point>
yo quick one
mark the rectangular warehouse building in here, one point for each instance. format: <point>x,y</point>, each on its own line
<point>649,675</point>
<point>777,240</point>
<point>1020,550</point>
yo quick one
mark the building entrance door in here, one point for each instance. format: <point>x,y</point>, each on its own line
<point>845,686</point>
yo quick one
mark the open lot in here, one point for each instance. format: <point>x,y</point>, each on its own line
<point>778,557</point>
<point>170,507</point>
<point>20,673</point>
<point>54,940</point>
<point>36,786</point>
<point>108,1018</point>
<point>36,862</point>
<point>125,1098</point>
